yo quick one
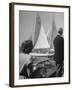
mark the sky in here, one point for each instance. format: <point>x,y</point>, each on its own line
<point>27,22</point>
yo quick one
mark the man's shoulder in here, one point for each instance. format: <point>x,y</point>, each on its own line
<point>58,38</point>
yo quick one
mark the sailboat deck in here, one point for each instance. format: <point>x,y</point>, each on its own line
<point>41,54</point>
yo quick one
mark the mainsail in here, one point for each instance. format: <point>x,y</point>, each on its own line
<point>40,37</point>
<point>42,42</point>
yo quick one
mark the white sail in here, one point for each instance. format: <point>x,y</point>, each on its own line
<point>42,40</point>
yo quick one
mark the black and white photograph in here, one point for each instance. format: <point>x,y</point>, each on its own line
<point>41,44</point>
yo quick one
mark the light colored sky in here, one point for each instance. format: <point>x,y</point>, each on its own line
<point>27,21</point>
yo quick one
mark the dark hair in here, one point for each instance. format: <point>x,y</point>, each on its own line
<point>27,46</point>
<point>60,31</point>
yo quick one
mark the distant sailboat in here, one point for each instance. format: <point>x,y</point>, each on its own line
<point>52,34</point>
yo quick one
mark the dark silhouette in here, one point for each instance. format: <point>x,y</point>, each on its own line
<point>36,73</point>
<point>27,46</point>
<point>59,49</point>
<point>24,71</point>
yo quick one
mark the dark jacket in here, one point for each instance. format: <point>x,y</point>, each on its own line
<point>59,49</point>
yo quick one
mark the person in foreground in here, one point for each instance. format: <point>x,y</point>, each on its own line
<point>59,52</point>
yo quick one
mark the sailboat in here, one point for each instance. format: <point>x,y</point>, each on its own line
<point>52,33</point>
<point>40,42</point>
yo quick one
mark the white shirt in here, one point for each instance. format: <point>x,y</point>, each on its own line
<point>23,59</point>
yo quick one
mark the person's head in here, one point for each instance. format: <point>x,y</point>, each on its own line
<point>60,32</point>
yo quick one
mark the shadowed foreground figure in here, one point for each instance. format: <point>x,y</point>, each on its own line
<point>26,47</point>
<point>59,51</point>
